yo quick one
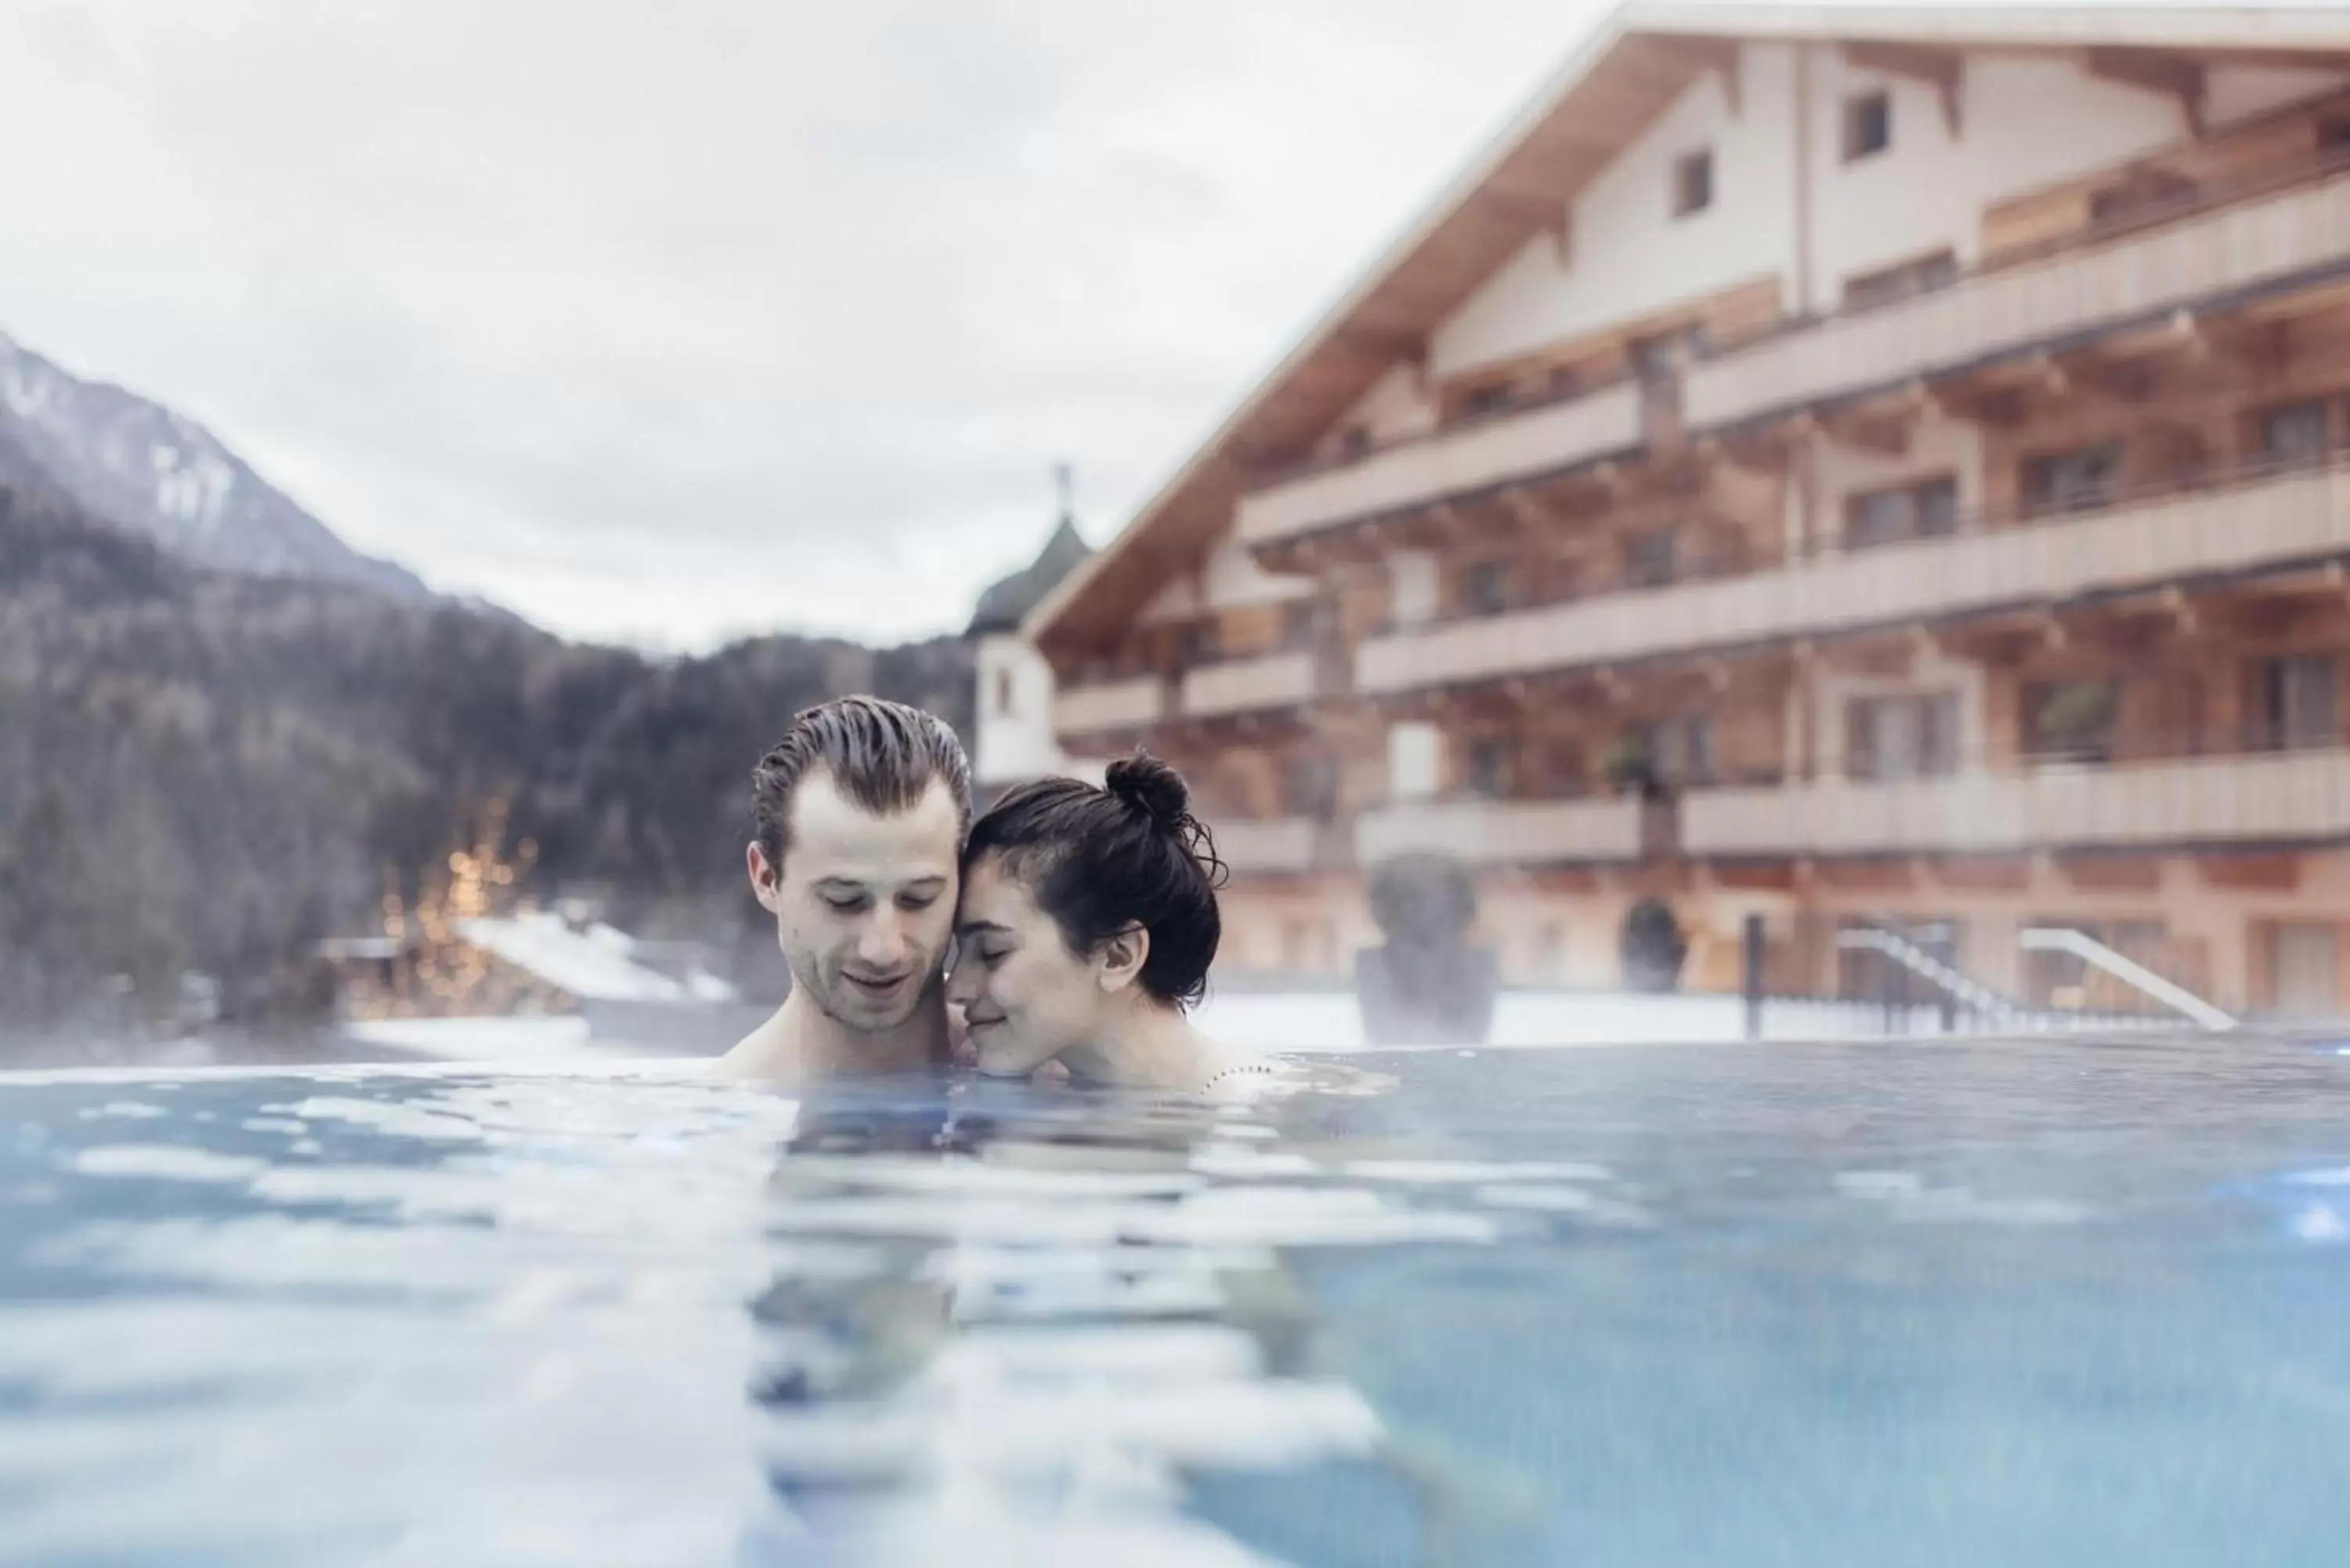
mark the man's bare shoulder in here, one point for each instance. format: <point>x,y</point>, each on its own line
<point>764,1055</point>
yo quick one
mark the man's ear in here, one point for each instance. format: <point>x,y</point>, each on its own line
<point>1123,954</point>
<point>763,877</point>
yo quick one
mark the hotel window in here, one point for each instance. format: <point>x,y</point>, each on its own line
<point>1868,125</point>
<point>2071,720</point>
<point>2294,702</point>
<point>2071,481</point>
<point>1919,275</point>
<point>1922,509</point>
<point>2293,432</point>
<point>1911,736</point>
<point>1488,767</point>
<point>1486,587</point>
<point>2139,194</point>
<point>1556,767</point>
<point>1354,441</point>
<point>1490,399</point>
<point>2302,959</point>
<point>1003,691</point>
<point>1309,787</point>
<point>1201,643</point>
<point>1300,622</point>
<point>1680,750</point>
<point>1415,752</point>
<point>1692,182</point>
<point>1650,558</point>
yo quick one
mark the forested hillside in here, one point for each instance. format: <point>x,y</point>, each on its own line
<point>208,771</point>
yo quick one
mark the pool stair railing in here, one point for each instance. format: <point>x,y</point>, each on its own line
<point>2135,975</point>
<point>1968,994</point>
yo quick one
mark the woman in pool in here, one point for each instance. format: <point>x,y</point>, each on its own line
<point>1087,923</point>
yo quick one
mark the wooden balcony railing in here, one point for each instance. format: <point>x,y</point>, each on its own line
<point>2263,523</point>
<point>2273,797</point>
<point>1245,685</point>
<point>1282,844</point>
<point>1495,449</point>
<point>1109,705</point>
<point>1504,832</point>
<point>2247,244</point>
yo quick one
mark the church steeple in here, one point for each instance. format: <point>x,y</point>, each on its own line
<point>1005,602</point>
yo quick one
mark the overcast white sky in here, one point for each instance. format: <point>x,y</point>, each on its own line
<point>670,320</point>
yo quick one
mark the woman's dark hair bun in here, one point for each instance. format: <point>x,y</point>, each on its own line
<point>1102,859</point>
<point>1150,785</point>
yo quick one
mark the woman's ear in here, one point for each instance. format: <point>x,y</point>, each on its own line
<point>1123,954</point>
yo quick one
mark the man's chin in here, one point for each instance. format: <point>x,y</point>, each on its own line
<point>872,1015</point>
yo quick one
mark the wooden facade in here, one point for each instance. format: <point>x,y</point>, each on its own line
<point>1987,591</point>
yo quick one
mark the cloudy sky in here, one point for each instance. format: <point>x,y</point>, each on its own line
<point>670,320</point>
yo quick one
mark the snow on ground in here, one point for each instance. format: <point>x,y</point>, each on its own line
<point>501,1039</point>
<point>594,964</point>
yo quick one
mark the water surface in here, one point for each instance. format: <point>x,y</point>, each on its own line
<point>2053,1302</point>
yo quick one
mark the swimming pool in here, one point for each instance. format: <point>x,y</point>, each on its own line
<point>2054,1301</point>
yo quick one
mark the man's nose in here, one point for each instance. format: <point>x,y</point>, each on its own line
<point>883,943</point>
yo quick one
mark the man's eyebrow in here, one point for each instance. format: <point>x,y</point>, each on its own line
<point>927,882</point>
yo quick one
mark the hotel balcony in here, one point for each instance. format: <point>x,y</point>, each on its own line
<point>1110,705</point>
<point>2216,254</point>
<point>2262,523</point>
<point>1282,844</point>
<point>1507,832</point>
<point>1249,685</point>
<point>2268,798</point>
<point>1495,450</point>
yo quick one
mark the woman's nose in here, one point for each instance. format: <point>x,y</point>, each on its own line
<point>963,977</point>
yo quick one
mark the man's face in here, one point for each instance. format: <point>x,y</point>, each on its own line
<point>864,905</point>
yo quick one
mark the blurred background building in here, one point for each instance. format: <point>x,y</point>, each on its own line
<point>1853,466</point>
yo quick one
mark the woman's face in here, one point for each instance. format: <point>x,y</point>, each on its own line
<point>1026,997</point>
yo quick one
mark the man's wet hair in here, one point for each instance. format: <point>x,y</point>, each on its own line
<point>1099,859</point>
<point>883,755</point>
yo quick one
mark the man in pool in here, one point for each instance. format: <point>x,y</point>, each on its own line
<point>858,816</point>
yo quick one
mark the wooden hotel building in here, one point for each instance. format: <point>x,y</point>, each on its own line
<point>1909,438</point>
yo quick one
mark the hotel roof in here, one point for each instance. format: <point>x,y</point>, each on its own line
<point>1632,66</point>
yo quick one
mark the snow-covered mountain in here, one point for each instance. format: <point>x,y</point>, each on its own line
<point>146,470</point>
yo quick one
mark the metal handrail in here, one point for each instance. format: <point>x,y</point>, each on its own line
<point>2178,998</point>
<point>1961,988</point>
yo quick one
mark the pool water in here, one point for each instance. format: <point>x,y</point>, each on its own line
<point>2054,1301</point>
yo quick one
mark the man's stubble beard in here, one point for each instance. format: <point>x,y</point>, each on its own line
<point>837,998</point>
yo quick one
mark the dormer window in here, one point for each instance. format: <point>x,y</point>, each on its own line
<point>1692,182</point>
<point>1868,125</point>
